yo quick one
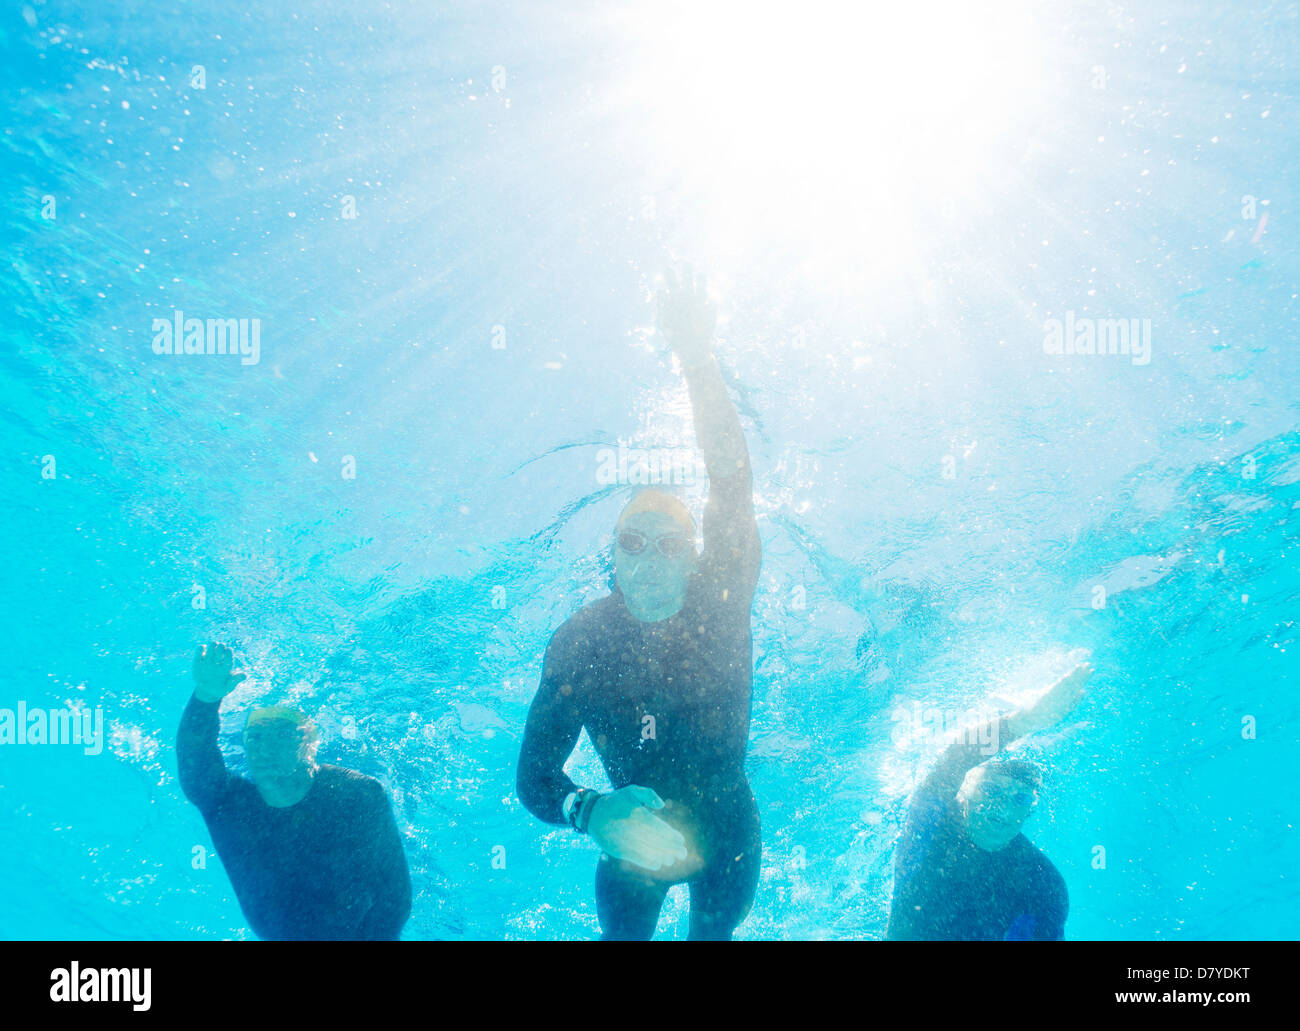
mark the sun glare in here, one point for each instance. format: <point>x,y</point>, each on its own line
<point>840,129</point>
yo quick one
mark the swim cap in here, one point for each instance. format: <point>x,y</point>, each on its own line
<point>652,500</point>
<point>277,713</point>
<point>1020,770</point>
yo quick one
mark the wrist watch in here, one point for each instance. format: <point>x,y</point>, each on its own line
<point>577,808</point>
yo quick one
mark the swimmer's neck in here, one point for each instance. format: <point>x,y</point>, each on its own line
<point>651,616</point>
<point>987,846</point>
<point>286,793</point>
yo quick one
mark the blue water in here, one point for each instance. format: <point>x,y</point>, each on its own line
<point>938,498</point>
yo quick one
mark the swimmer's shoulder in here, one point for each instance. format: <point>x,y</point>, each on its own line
<point>590,625</point>
<point>346,784</point>
<point>1046,877</point>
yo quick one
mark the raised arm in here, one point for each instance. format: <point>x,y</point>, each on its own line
<point>687,321</point>
<point>203,774</point>
<point>976,744</point>
<point>1053,706</point>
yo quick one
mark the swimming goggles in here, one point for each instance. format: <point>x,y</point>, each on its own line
<point>670,545</point>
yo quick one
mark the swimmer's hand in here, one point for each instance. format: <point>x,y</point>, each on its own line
<point>623,825</point>
<point>687,317</point>
<point>1059,701</point>
<point>213,679</point>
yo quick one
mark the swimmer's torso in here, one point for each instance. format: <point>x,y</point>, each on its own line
<point>330,867</point>
<point>947,889</point>
<point>666,704</point>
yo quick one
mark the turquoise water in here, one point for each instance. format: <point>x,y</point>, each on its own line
<point>939,498</point>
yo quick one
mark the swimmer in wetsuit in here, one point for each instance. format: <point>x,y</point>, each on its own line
<point>659,673</point>
<point>962,869</point>
<point>312,851</point>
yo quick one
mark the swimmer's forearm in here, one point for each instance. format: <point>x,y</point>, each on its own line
<point>973,746</point>
<point>982,741</point>
<point>1053,706</point>
<point>717,426</point>
<point>549,740</point>
<point>198,756</point>
<point>1023,723</point>
<point>200,726</point>
<point>542,794</point>
<point>1027,721</point>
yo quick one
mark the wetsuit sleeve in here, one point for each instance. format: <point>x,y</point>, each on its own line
<point>554,723</point>
<point>975,745</point>
<point>392,876</point>
<point>204,777</point>
<point>732,552</point>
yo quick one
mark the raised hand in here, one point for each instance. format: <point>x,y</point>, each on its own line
<point>686,317</point>
<point>213,679</point>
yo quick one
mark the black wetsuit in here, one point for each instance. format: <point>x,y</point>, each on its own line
<point>946,888</point>
<point>692,673</point>
<point>329,867</point>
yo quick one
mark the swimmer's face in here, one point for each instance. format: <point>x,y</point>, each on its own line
<point>278,752</point>
<point>653,560</point>
<point>994,807</point>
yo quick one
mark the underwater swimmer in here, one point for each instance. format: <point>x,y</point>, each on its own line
<point>659,673</point>
<point>311,850</point>
<point>962,869</point>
